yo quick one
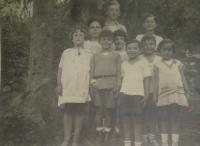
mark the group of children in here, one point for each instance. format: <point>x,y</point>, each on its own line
<point>135,82</point>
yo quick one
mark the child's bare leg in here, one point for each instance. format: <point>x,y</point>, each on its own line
<point>126,125</point>
<point>79,118</point>
<point>68,124</point>
<point>176,116</point>
<point>137,129</point>
<point>108,121</point>
<point>164,125</point>
<point>99,118</point>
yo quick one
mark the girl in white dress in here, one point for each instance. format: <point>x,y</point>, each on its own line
<point>73,86</point>
<point>171,90</point>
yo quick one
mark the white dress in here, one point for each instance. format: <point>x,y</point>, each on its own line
<point>75,76</point>
<point>170,85</point>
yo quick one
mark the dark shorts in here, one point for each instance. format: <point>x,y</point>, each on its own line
<point>130,105</point>
<point>73,108</point>
<point>104,98</point>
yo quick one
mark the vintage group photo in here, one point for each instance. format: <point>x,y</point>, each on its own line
<point>99,73</point>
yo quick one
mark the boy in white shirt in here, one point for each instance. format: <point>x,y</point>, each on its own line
<point>134,91</point>
<point>150,58</point>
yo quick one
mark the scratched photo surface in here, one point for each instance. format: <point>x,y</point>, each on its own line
<point>99,73</point>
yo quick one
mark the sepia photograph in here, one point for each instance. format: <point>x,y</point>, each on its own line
<point>99,73</point>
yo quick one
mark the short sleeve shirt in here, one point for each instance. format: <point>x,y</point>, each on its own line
<point>133,77</point>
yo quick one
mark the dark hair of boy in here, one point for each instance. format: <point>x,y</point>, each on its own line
<point>120,32</point>
<point>91,20</point>
<point>147,38</point>
<point>106,33</point>
<point>166,41</point>
<point>147,15</point>
<point>134,41</point>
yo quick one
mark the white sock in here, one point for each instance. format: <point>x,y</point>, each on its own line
<point>127,142</point>
<point>138,143</point>
<point>175,139</point>
<point>164,139</point>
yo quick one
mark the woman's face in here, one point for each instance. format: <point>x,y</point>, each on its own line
<point>113,12</point>
<point>94,29</point>
<point>78,37</point>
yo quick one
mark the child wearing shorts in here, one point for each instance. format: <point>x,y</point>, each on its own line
<point>105,83</point>
<point>133,93</point>
<point>171,91</point>
<point>73,86</point>
<point>150,111</point>
<point>149,25</point>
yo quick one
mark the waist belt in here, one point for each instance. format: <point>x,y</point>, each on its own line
<point>104,76</point>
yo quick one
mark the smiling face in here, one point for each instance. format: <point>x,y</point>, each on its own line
<point>149,46</point>
<point>149,23</point>
<point>106,42</point>
<point>78,37</point>
<point>133,50</point>
<point>167,51</point>
<point>94,29</point>
<point>119,42</point>
<point>113,11</point>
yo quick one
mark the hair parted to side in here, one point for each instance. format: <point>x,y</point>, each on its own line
<point>166,41</point>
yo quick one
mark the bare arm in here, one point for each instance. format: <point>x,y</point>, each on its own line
<point>185,83</point>
<point>59,84</point>
<point>118,75</point>
<point>156,83</point>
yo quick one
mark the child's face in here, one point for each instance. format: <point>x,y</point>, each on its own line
<point>133,50</point>
<point>78,37</point>
<point>113,11</point>
<point>106,42</point>
<point>166,51</point>
<point>149,47</point>
<point>149,24</point>
<point>95,29</point>
<point>119,42</point>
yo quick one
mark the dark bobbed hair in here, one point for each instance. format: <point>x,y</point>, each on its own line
<point>120,32</point>
<point>75,28</point>
<point>147,38</point>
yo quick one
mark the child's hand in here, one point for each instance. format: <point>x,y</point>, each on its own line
<point>92,83</point>
<point>144,101</point>
<point>59,90</point>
